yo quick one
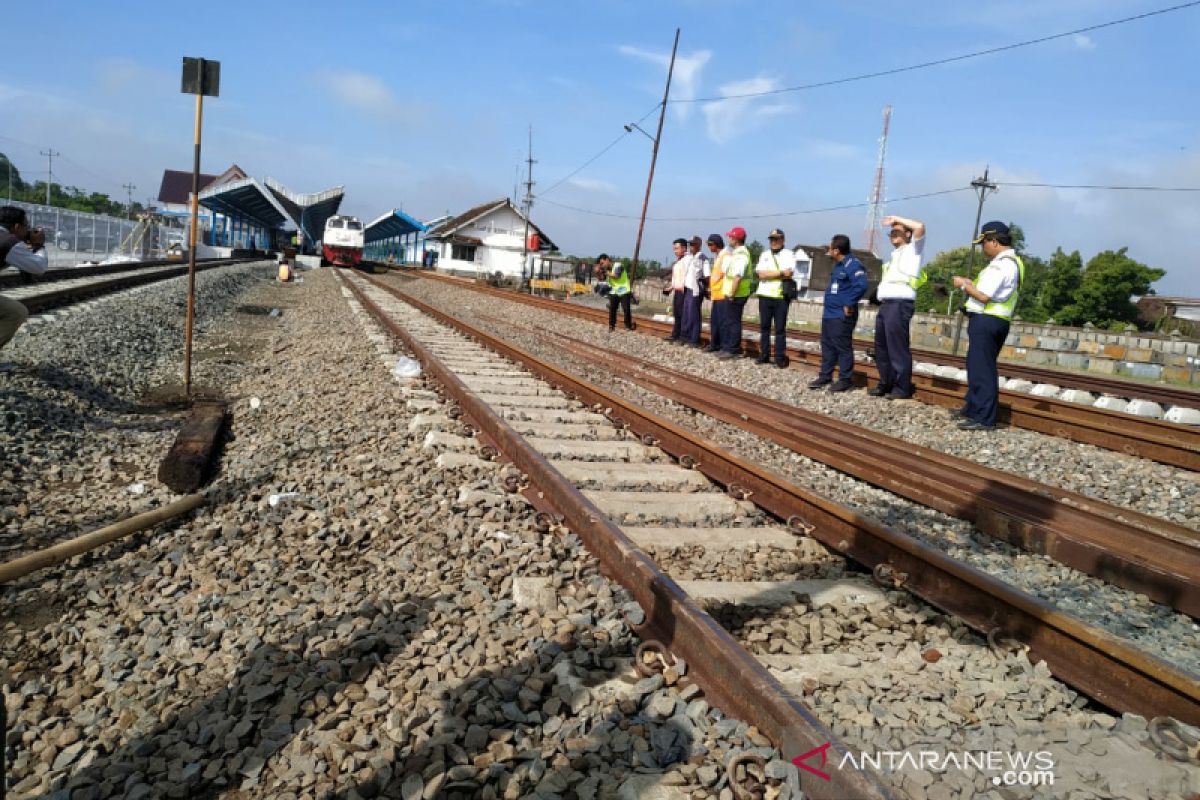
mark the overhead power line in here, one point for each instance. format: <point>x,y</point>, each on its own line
<point>773,214</point>
<point>941,61</point>
<point>594,158</point>
<point>1099,186</point>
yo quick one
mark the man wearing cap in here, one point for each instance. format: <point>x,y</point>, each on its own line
<point>992,298</point>
<point>902,276</point>
<point>775,264</point>
<point>847,285</point>
<point>716,291</point>
<point>677,288</point>
<point>737,287</point>
<point>619,294</point>
<point>693,279</point>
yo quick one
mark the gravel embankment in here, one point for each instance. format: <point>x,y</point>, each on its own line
<point>357,640</point>
<point>1116,478</point>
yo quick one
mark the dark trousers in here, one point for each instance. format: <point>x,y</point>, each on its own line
<point>985,337</point>
<point>731,330</point>
<point>690,331</point>
<point>716,321</point>
<point>773,310</point>
<point>893,358</point>
<point>676,314</point>
<point>622,300</point>
<point>837,348</point>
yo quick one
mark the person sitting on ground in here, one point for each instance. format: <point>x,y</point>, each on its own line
<point>24,248</point>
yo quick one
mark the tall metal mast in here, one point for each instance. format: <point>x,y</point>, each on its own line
<point>875,214</point>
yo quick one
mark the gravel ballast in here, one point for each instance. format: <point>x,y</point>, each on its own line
<point>1116,478</point>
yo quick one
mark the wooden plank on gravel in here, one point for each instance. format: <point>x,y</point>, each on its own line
<point>187,463</point>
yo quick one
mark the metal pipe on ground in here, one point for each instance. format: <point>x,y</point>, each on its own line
<point>20,567</point>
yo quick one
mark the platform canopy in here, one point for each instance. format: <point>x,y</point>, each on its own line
<point>391,225</point>
<point>245,199</point>
<point>309,212</point>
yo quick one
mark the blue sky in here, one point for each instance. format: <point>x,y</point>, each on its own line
<point>427,106</point>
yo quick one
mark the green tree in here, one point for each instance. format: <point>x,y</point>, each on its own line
<point>935,294</point>
<point>1063,276</point>
<point>1108,282</point>
<point>755,248</point>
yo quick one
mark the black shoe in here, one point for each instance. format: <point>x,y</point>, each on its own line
<point>878,391</point>
<point>841,387</point>
<point>897,396</point>
<point>972,425</point>
<point>670,339</point>
<point>818,383</point>
<point>725,355</point>
<point>961,413</point>
<point>632,327</point>
<point>765,359</point>
<point>782,364</point>
<point>712,349</point>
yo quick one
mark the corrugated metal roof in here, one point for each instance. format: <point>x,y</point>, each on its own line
<point>390,224</point>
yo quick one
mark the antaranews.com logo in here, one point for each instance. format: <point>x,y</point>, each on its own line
<point>1003,767</point>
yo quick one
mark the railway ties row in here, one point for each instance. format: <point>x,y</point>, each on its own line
<point>792,623</point>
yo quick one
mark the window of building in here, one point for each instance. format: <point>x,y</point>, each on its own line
<point>463,252</point>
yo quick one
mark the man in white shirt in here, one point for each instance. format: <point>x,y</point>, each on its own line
<point>992,299</point>
<point>23,248</point>
<point>695,277</point>
<point>897,293</point>
<point>775,265</point>
<point>677,288</point>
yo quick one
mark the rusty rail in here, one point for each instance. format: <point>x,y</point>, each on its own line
<point>1167,443</point>
<point>1138,552</point>
<point>732,679</point>
<point>1096,662</point>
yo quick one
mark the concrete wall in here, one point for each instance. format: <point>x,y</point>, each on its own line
<point>1135,355</point>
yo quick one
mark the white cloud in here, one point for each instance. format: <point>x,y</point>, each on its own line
<point>593,185</point>
<point>1083,42</point>
<point>362,92</point>
<point>729,118</point>
<point>121,75</point>
<point>685,80</point>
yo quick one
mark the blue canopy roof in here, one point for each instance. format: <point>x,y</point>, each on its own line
<point>389,225</point>
<point>247,199</point>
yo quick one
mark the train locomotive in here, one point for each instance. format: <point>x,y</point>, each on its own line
<point>342,244</point>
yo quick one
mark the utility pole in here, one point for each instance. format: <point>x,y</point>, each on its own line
<point>662,113</point>
<point>50,156</point>
<point>129,187</point>
<point>981,186</point>
<point>527,205</point>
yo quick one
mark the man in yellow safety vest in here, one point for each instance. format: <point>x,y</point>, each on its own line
<point>737,285</point>
<point>992,301</point>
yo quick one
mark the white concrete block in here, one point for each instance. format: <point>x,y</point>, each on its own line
<point>1018,385</point>
<point>1080,396</point>
<point>1045,390</point>
<point>1112,403</point>
<point>1184,416</point>
<point>1144,408</point>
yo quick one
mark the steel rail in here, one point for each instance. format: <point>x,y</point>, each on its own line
<point>1164,442</point>
<point>1097,663</point>
<point>1135,551</point>
<point>54,298</point>
<point>731,677</point>
<point>17,279</point>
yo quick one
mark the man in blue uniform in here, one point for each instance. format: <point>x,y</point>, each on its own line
<point>847,285</point>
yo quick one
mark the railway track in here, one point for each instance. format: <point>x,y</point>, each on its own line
<point>587,458</point>
<point>69,286</point>
<point>1165,442</point>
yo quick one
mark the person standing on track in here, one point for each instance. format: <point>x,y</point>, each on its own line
<point>693,295</point>
<point>737,287</point>
<point>992,298</point>
<point>902,276</point>
<point>24,248</point>
<point>676,290</point>
<point>847,285</point>
<point>775,264</point>
<point>620,294</point>
<point>716,291</point>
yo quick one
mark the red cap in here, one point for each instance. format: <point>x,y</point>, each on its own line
<point>738,233</point>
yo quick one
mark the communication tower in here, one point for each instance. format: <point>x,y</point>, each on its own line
<point>875,214</point>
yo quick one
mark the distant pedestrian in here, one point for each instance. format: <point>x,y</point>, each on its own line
<point>738,284</point>
<point>902,276</point>
<point>694,283</point>
<point>847,285</point>
<point>676,289</point>
<point>992,300</point>
<point>775,265</point>
<point>24,248</point>
<point>716,290</point>
<point>620,293</point>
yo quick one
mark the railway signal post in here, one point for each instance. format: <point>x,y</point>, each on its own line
<point>200,77</point>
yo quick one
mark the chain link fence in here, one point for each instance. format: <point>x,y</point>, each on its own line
<point>75,237</point>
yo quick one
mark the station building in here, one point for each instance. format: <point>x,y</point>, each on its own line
<point>484,240</point>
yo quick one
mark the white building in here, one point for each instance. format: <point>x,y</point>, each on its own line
<point>487,239</point>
